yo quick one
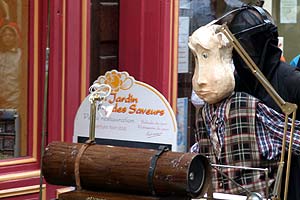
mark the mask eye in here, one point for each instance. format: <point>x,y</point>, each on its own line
<point>204,55</point>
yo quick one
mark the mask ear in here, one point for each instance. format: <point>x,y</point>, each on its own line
<point>190,44</point>
<point>223,41</point>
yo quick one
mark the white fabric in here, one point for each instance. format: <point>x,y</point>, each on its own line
<point>196,101</point>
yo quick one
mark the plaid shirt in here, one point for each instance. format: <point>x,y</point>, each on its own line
<point>242,132</point>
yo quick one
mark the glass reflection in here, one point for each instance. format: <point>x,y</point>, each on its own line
<point>13,78</point>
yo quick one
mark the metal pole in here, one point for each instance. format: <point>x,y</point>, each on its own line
<point>44,126</point>
<point>92,120</point>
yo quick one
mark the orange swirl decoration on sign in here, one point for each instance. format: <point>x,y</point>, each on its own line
<point>116,80</point>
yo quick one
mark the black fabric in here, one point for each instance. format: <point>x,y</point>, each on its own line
<point>260,39</point>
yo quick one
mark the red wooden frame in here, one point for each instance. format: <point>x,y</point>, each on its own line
<point>144,52</point>
<point>145,43</point>
<point>35,62</point>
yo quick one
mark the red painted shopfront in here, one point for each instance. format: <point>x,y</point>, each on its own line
<point>85,38</point>
<point>146,50</point>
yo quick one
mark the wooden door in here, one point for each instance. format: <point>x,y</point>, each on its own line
<point>104,37</point>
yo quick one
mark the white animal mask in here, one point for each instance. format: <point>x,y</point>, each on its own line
<point>213,78</point>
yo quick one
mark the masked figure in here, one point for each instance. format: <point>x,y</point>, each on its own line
<point>243,129</point>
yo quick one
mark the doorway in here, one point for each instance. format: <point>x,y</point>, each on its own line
<point>104,37</point>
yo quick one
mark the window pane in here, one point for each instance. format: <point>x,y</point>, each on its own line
<point>13,77</point>
<point>192,15</point>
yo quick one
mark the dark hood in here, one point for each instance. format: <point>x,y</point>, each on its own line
<point>255,30</point>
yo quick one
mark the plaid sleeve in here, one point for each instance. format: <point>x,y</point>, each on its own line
<point>270,130</point>
<point>202,144</point>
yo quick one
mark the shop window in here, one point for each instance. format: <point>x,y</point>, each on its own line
<point>195,13</point>
<point>13,78</point>
<point>286,16</point>
<point>191,15</point>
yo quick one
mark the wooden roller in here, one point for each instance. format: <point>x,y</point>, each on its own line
<point>126,170</point>
<point>90,195</point>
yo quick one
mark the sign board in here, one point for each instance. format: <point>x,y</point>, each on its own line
<point>140,115</point>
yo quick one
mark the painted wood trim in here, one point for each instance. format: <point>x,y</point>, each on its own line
<point>84,40</point>
<point>70,65</point>
<point>174,54</point>
<point>55,71</point>
<point>22,175</point>
<point>36,80</point>
<point>18,161</point>
<point>62,123</point>
<point>72,78</point>
<point>23,191</point>
<point>64,190</point>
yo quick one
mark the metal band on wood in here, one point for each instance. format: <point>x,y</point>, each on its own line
<point>77,162</point>
<point>152,167</point>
